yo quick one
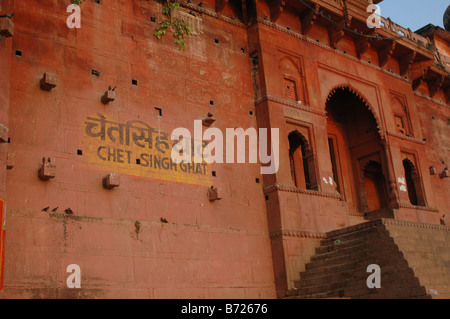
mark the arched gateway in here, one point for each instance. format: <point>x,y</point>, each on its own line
<point>356,153</point>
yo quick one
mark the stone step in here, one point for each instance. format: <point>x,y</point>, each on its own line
<point>349,236</point>
<point>330,248</point>
<point>335,264</point>
<point>389,273</point>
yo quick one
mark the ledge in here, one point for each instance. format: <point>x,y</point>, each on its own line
<point>396,222</point>
<point>406,138</point>
<point>283,101</point>
<point>407,205</point>
<point>297,233</point>
<point>293,189</point>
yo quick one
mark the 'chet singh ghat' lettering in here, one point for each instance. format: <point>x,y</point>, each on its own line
<point>183,153</point>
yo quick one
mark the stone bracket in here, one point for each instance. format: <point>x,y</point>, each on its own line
<point>48,81</point>
<point>213,194</point>
<point>4,133</point>
<point>406,61</point>
<point>6,27</point>
<point>47,170</point>
<point>10,160</point>
<point>276,8</point>
<point>385,52</point>
<point>309,18</point>
<point>336,34</point>
<point>109,96</point>
<point>362,44</point>
<point>111,181</point>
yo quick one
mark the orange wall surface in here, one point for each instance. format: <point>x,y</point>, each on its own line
<point>207,249</point>
<point>157,235</point>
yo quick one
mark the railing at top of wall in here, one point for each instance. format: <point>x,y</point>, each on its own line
<point>386,24</point>
<point>407,33</point>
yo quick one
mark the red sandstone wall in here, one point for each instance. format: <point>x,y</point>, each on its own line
<point>206,250</point>
<point>304,214</point>
<point>5,58</point>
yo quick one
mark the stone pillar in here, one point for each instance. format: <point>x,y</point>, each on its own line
<point>393,193</point>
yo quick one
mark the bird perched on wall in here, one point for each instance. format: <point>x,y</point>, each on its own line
<point>9,15</point>
<point>163,220</point>
<point>54,209</point>
<point>68,211</point>
<point>45,209</point>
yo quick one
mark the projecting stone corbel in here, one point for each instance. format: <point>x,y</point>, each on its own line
<point>220,4</point>
<point>10,160</point>
<point>109,96</point>
<point>347,17</point>
<point>362,44</point>
<point>406,61</point>
<point>336,34</point>
<point>434,84</point>
<point>385,51</point>
<point>309,18</point>
<point>276,8</point>
<point>47,170</point>
<point>48,81</point>
<point>4,132</point>
<point>6,27</point>
<point>111,180</point>
<point>213,194</point>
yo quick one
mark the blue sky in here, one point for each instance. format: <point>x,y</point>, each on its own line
<point>414,14</point>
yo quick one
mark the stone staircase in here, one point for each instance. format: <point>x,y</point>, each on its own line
<point>414,259</point>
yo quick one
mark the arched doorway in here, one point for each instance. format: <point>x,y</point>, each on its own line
<point>356,151</point>
<point>374,186</point>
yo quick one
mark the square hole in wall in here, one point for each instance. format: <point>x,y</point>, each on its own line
<point>216,41</point>
<point>257,180</point>
<point>158,111</point>
<point>134,82</point>
<point>138,161</point>
<point>18,53</point>
<point>79,152</point>
<point>214,173</point>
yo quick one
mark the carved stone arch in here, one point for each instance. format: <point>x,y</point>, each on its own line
<point>365,163</point>
<point>401,102</point>
<point>401,115</point>
<point>412,165</point>
<point>360,96</point>
<point>303,139</point>
<point>288,58</point>
<point>293,78</point>
<point>303,167</point>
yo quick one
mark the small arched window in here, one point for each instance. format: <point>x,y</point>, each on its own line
<point>413,184</point>
<point>301,158</point>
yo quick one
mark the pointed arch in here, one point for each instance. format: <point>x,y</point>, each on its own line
<point>413,183</point>
<point>302,161</point>
<point>361,97</point>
